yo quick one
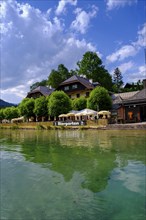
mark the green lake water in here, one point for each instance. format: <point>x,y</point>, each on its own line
<point>72,175</point>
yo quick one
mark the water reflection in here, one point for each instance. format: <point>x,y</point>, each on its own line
<point>93,154</point>
<point>73,174</point>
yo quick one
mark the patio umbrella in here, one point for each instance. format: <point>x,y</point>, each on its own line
<point>70,114</point>
<point>62,116</point>
<point>104,113</point>
<point>86,111</point>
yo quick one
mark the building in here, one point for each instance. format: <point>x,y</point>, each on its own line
<point>39,91</point>
<point>77,86</point>
<point>130,106</point>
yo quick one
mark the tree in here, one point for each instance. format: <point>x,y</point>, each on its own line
<point>59,103</point>
<point>26,107</point>
<point>117,79</point>
<point>99,99</point>
<point>91,66</point>
<point>36,84</point>
<point>54,79</point>
<point>139,85</point>
<point>58,76</point>
<point>40,107</point>
<point>10,112</point>
<point>79,103</point>
<point>1,114</point>
<point>72,72</point>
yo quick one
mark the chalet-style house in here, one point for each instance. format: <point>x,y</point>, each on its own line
<point>127,107</point>
<point>39,91</point>
<point>130,106</point>
<point>77,86</point>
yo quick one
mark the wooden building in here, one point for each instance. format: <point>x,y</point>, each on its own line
<point>130,106</point>
<point>77,86</point>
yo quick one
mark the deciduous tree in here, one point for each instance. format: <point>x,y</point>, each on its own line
<point>40,107</point>
<point>26,107</point>
<point>99,98</point>
<point>79,103</point>
<point>59,103</point>
<point>36,84</point>
<point>91,66</point>
<point>58,76</point>
<point>10,112</point>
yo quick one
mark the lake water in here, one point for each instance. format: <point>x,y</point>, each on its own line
<point>72,175</point>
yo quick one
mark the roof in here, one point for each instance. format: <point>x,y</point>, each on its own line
<point>43,90</point>
<point>139,96</point>
<point>80,79</point>
<point>125,95</point>
<point>128,97</point>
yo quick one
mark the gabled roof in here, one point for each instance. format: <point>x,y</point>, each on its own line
<point>80,79</point>
<point>125,95</point>
<point>43,90</point>
<point>141,95</point>
<point>129,97</point>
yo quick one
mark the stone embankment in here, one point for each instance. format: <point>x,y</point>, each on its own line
<point>137,126</point>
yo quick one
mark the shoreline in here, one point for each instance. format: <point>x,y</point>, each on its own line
<point>49,126</point>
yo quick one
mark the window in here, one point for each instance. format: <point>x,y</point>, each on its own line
<point>78,95</point>
<point>75,86</point>
<point>66,88</point>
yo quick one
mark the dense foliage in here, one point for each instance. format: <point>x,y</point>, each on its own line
<point>133,86</point>
<point>10,112</point>
<point>91,66</point>
<point>40,107</point>
<point>1,114</point>
<point>79,103</point>
<point>26,107</point>
<point>36,84</point>
<point>99,99</point>
<point>58,76</point>
<point>59,103</point>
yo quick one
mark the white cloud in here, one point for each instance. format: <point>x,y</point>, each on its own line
<point>131,49</point>
<point>138,74</point>
<point>31,46</point>
<point>122,53</point>
<point>74,49</point>
<point>61,8</point>
<point>81,23</point>
<point>112,4</point>
<point>124,67</point>
<point>141,41</point>
<point>3,9</point>
<point>18,93</point>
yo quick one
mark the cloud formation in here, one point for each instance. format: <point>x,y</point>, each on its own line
<point>141,39</point>
<point>112,4</point>
<point>32,45</point>
<point>122,53</point>
<point>124,67</point>
<point>35,41</point>
<point>82,21</point>
<point>131,49</point>
<point>61,8</point>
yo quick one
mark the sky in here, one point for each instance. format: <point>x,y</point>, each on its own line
<point>38,35</point>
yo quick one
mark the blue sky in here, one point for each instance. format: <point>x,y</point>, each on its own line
<point>38,35</point>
